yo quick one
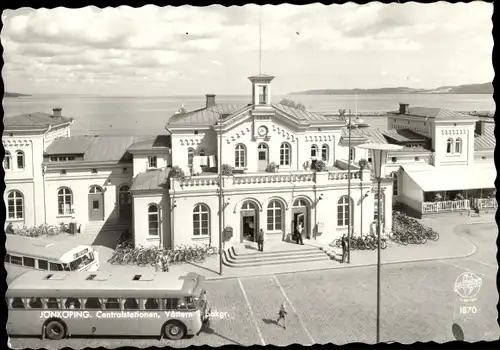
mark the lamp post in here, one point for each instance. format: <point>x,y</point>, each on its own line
<point>221,198</point>
<point>379,158</point>
<point>349,223</point>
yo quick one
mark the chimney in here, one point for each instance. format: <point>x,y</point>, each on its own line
<point>210,100</point>
<point>404,108</point>
<point>479,130</point>
<point>57,112</point>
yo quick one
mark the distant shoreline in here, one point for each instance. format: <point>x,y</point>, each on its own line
<point>14,94</point>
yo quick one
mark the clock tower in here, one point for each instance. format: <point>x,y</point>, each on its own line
<point>262,110</point>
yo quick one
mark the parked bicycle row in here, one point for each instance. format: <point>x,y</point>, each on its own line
<point>369,242</point>
<point>37,231</point>
<point>407,230</point>
<point>126,254</point>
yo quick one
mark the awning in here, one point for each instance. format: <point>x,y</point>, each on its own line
<point>454,178</point>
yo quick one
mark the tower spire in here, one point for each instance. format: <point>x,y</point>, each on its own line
<point>260,39</point>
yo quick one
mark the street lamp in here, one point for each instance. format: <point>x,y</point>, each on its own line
<point>221,195</point>
<point>379,160</point>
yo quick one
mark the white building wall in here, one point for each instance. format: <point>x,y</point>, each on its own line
<point>141,204</point>
<point>182,141</point>
<point>54,133</point>
<point>445,131</point>
<point>415,124</point>
<point>411,194</point>
<point>29,209</point>
<point>141,162</point>
<point>79,182</point>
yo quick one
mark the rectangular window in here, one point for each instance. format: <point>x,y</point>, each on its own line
<point>28,262</point>
<point>93,171</point>
<point>16,260</point>
<point>53,267</point>
<point>71,158</point>
<point>43,264</point>
<point>152,163</point>
<point>263,95</point>
<point>53,159</point>
<point>125,170</point>
<point>63,172</point>
<point>95,205</point>
<point>63,159</point>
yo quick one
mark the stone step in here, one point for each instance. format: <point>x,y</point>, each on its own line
<point>292,252</point>
<point>273,258</point>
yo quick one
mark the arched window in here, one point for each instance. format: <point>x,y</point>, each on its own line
<point>154,220</point>
<point>20,159</point>
<point>285,154</point>
<point>325,153</point>
<point>394,184</point>
<point>240,156</point>
<point>95,189</point>
<point>7,160</point>
<point>449,145</point>
<point>274,216</point>
<point>352,154</point>
<point>201,220</point>
<point>15,205</point>
<point>190,156</point>
<point>202,152</point>
<point>299,203</point>
<point>343,216</point>
<point>248,206</point>
<point>314,151</point>
<point>458,145</point>
<point>375,206</point>
<point>64,201</point>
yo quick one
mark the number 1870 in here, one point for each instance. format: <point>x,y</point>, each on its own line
<point>464,310</point>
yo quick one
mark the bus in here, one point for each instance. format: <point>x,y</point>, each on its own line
<point>25,254</point>
<point>56,305</point>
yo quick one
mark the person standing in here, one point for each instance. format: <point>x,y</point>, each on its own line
<point>344,248</point>
<point>165,263</point>
<point>282,315</point>
<point>300,229</point>
<point>260,240</point>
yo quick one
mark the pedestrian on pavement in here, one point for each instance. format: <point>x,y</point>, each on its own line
<point>260,240</point>
<point>282,315</point>
<point>300,229</point>
<point>165,263</point>
<point>344,248</point>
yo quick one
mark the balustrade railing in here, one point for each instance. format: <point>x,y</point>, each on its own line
<point>199,182</point>
<point>272,178</point>
<point>444,206</point>
<point>483,203</point>
<point>342,175</point>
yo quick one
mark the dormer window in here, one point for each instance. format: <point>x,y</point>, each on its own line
<point>53,159</point>
<point>152,162</point>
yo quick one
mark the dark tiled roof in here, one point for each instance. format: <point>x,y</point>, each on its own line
<point>94,149</point>
<point>150,180</point>
<point>36,119</point>
<point>436,113</point>
<point>487,140</point>
<point>158,142</point>
<point>206,116</point>
<point>404,135</point>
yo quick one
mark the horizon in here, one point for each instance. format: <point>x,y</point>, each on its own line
<point>158,51</point>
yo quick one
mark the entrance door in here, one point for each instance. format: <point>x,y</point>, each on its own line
<point>96,204</point>
<point>263,157</point>
<point>249,227</point>
<point>125,203</point>
<point>297,219</point>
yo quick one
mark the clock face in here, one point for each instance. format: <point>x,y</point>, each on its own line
<point>262,131</point>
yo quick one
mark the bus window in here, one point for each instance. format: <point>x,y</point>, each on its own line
<point>72,303</point>
<point>60,267</point>
<point>93,303</point>
<point>7,258</point>
<point>43,264</point>
<point>53,266</point>
<point>112,304</point>
<point>151,304</point>
<point>35,303</point>
<point>82,261</point>
<point>18,303</point>
<point>131,304</point>
<point>28,262</point>
<point>170,304</point>
<point>190,303</point>
<point>53,303</point>
<point>66,267</point>
<point>181,304</point>
<point>16,260</point>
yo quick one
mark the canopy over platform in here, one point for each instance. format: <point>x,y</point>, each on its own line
<point>454,178</point>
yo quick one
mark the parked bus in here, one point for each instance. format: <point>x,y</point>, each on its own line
<point>25,254</point>
<point>56,305</point>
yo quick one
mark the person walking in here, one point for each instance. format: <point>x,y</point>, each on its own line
<point>165,263</point>
<point>282,315</point>
<point>159,263</point>
<point>260,240</point>
<point>300,229</point>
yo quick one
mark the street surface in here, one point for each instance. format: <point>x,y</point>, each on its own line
<point>339,305</point>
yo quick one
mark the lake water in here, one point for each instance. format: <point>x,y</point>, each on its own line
<point>148,115</point>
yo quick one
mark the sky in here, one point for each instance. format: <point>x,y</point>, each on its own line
<point>162,51</point>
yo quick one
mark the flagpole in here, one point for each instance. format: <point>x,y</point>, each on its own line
<point>349,193</point>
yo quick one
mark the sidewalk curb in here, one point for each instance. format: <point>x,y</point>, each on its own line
<point>474,250</point>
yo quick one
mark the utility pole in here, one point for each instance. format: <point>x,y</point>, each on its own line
<point>349,225</point>
<point>221,198</point>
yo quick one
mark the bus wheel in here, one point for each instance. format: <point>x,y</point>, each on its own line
<point>55,330</point>
<point>174,330</point>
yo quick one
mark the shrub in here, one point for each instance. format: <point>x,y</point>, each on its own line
<point>272,167</point>
<point>319,165</point>
<point>227,170</point>
<point>177,173</point>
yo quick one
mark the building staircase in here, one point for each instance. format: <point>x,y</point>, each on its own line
<point>286,253</point>
<point>96,227</point>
